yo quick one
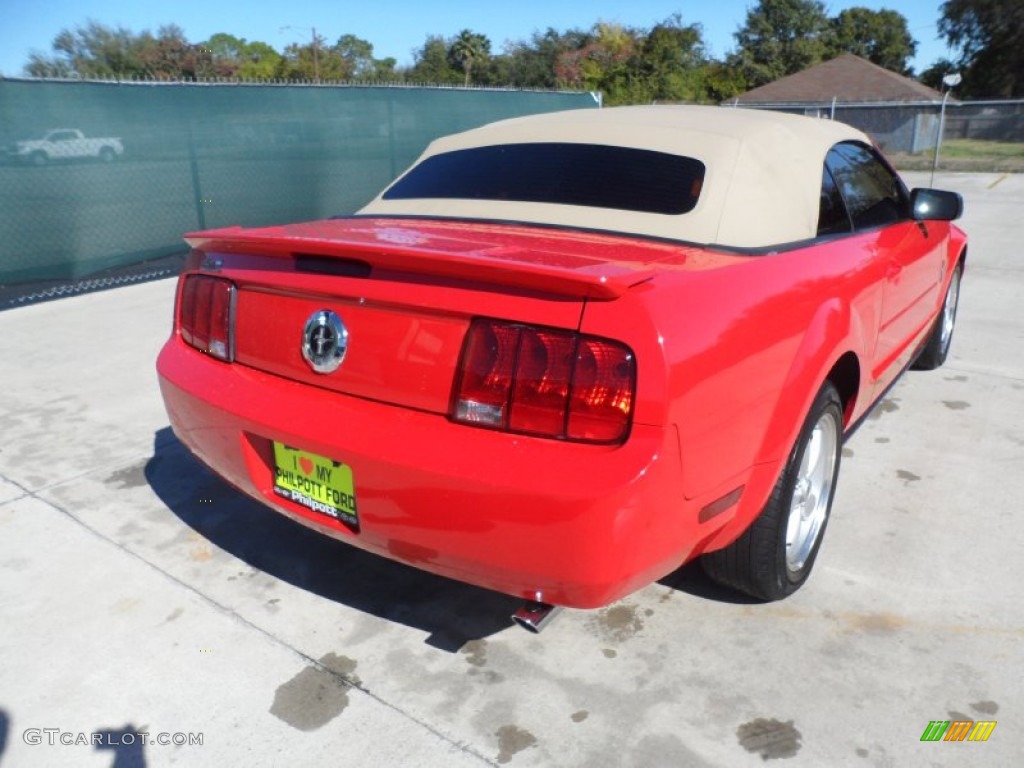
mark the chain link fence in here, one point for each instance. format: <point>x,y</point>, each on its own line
<point>906,129</point>
<point>98,175</point>
<point>985,120</point>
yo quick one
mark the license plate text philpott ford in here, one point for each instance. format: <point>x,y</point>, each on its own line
<point>315,482</point>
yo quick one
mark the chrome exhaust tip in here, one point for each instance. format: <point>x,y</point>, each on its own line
<point>534,616</point>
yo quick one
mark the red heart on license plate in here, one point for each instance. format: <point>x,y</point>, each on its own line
<point>306,464</point>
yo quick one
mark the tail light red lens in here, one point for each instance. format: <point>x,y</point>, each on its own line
<point>540,393</point>
<point>602,390</point>
<point>485,372</point>
<point>207,314</point>
<point>545,381</point>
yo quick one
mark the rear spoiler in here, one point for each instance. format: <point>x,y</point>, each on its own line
<point>508,256</point>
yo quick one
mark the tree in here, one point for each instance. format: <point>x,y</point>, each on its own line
<point>532,64</point>
<point>469,49</point>
<point>357,55</point>
<point>431,64</point>
<point>932,77</point>
<point>259,61</point>
<point>989,35</point>
<point>96,50</point>
<point>881,37</point>
<point>41,65</point>
<point>384,69</point>
<point>779,38</point>
<point>672,59</point>
<point>223,54</point>
<point>668,62</point>
<point>311,61</point>
<point>360,64</point>
<point>722,81</point>
<point>231,56</point>
<point>168,56</point>
<point>606,63</point>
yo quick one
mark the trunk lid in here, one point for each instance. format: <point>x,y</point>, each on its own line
<point>565,262</point>
<point>406,291</point>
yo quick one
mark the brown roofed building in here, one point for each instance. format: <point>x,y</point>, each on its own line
<point>899,113</point>
<point>847,78</point>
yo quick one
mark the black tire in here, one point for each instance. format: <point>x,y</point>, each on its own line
<point>760,562</point>
<point>38,158</point>
<point>936,349</point>
<point>107,155</point>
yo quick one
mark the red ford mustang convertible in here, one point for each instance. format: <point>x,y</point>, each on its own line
<point>562,355</point>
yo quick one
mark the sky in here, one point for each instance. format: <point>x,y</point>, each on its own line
<point>397,27</point>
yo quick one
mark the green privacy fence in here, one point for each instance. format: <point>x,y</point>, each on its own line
<point>97,175</point>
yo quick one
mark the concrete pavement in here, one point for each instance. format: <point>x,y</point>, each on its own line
<point>139,593</point>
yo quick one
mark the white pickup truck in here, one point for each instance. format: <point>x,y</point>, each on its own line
<point>65,144</point>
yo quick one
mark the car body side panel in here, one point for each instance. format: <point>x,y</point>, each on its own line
<point>832,331</point>
<point>850,322</point>
<point>746,347</point>
<point>957,244</point>
<point>915,254</point>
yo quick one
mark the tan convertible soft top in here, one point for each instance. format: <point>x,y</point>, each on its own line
<point>761,185</point>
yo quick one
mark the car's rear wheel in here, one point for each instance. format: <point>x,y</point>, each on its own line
<point>107,155</point>
<point>936,349</point>
<point>774,556</point>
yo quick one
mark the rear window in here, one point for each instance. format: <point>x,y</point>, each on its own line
<point>591,175</point>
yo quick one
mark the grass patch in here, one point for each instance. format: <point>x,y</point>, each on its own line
<point>979,148</point>
<point>971,155</point>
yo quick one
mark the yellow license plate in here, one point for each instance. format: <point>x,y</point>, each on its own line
<point>315,482</point>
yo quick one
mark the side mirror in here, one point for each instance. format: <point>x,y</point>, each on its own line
<point>936,205</point>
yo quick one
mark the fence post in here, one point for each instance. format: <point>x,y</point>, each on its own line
<point>197,194</point>
<point>938,137</point>
<point>391,136</point>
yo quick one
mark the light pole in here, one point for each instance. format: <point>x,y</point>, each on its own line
<point>316,58</point>
<point>950,81</point>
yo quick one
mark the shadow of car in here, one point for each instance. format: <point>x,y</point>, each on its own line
<point>451,612</point>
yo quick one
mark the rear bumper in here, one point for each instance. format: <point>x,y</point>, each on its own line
<point>581,525</point>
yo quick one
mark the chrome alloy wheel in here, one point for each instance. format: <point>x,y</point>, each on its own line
<point>949,310</point>
<point>812,492</point>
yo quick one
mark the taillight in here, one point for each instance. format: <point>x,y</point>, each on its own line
<point>602,391</point>
<point>206,317</point>
<point>544,381</point>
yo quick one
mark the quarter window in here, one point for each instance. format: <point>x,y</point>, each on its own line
<point>832,216</point>
<point>874,196</point>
